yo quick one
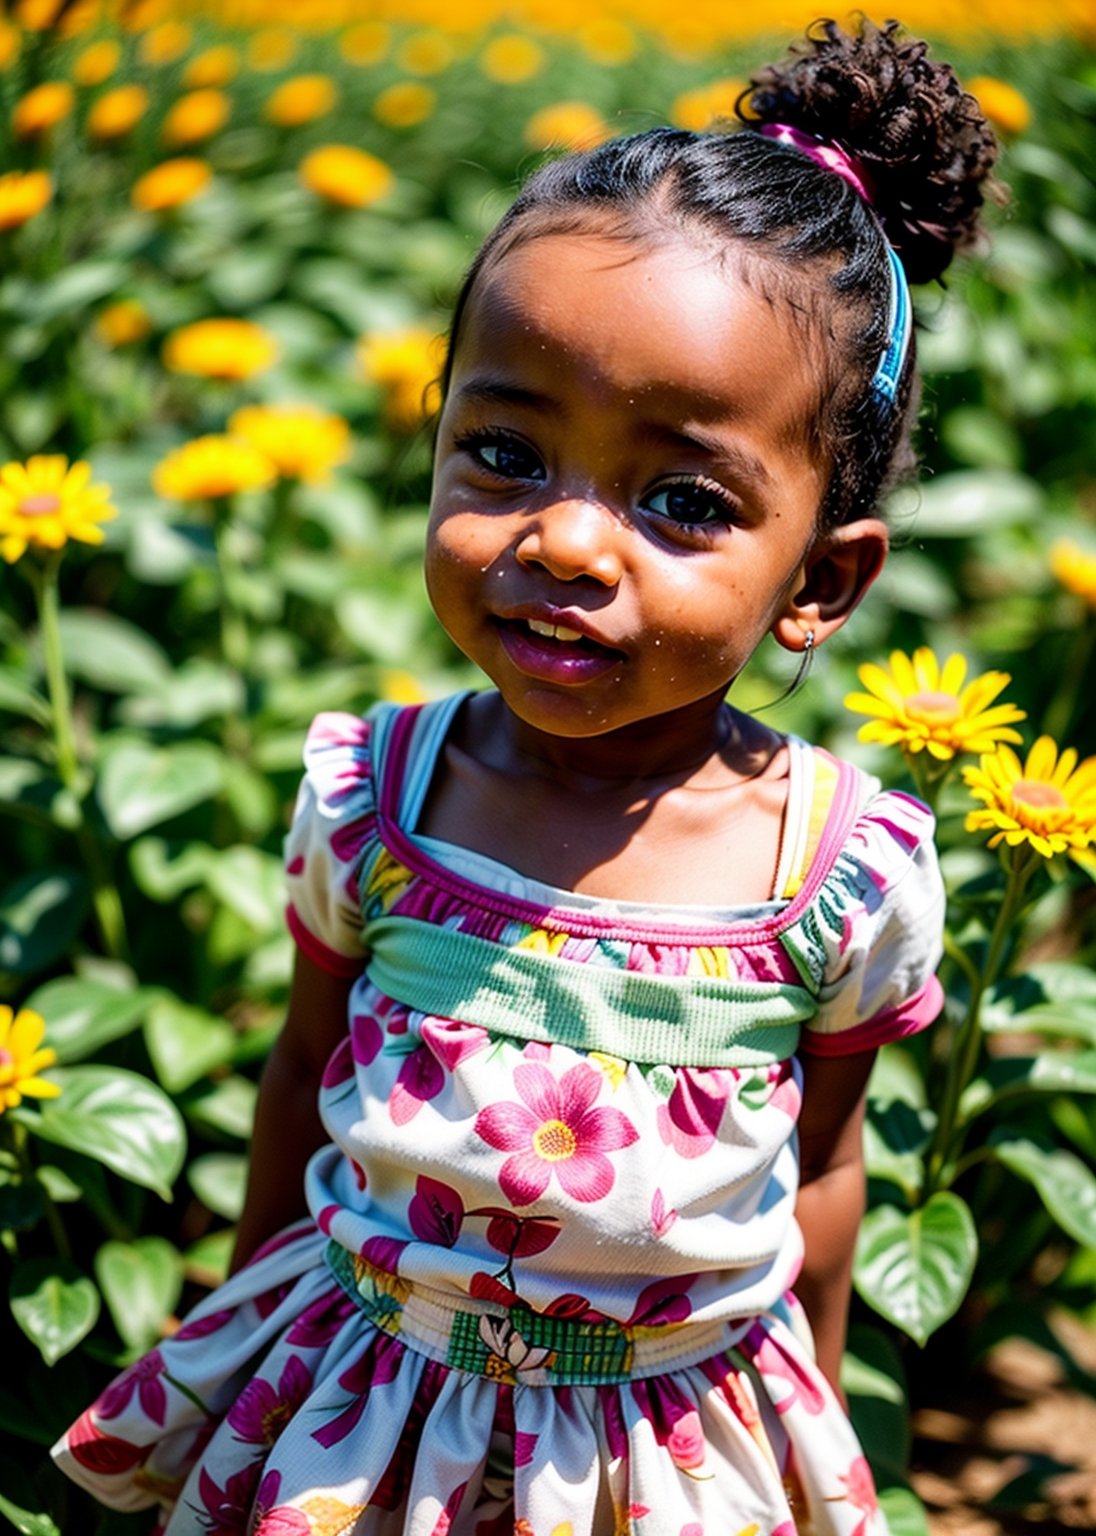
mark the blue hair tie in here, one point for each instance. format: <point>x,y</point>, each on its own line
<point>885,379</point>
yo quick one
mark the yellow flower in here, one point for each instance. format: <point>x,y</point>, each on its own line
<point>97,62</point>
<point>22,196</point>
<point>1002,103</point>
<point>512,58</point>
<point>698,109</point>
<point>22,1057</point>
<point>401,687</point>
<point>122,323</point>
<point>350,177</point>
<point>302,443</point>
<point>46,502</point>
<point>566,125</point>
<point>920,706</point>
<point>169,184</point>
<point>79,18</point>
<point>301,100</point>
<point>211,467</point>
<point>276,48</point>
<point>214,67</point>
<point>10,43</point>
<point>37,15</point>
<point>1075,568</point>
<point>404,104</point>
<point>42,108</point>
<point>1048,801</point>
<point>366,43</point>
<point>165,43</point>
<point>117,112</point>
<point>406,364</point>
<point>607,40</point>
<point>425,53</point>
<point>196,116</point>
<point>220,349</point>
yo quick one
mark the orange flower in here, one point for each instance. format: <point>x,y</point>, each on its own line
<point>165,43</point>
<point>425,53</point>
<point>350,177</point>
<point>273,49</point>
<point>97,62</point>
<point>566,125</point>
<point>1048,801</point>
<point>407,365</point>
<point>301,100</point>
<point>42,108</point>
<point>607,40</point>
<point>10,44</point>
<point>196,116</point>
<point>366,43</point>
<point>215,67</point>
<point>405,104</point>
<point>302,443</point>
<point>122,323</point>
<point>220,349</point>
<point>700,108</point>
<point>512,58</point>
<point>208,468</point>
<point>117,112</point>
<point>1002,103</point>
<point>22,196</point>
<point>170,184</point>
<point>46,502</point>
<point>23,1057</point>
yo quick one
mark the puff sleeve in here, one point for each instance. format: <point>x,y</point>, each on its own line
<point>879,919</point>
<point>333,828</point>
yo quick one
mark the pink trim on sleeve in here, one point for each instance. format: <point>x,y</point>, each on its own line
<point>318,952</point>
<point>916,1013</point>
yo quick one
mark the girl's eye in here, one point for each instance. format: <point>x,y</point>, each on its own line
<point>507,457</point>
<point>693,502</point>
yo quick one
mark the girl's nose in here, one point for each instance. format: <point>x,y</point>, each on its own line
<point>572,539</point>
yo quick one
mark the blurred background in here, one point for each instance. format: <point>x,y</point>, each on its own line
<point>229,238</point>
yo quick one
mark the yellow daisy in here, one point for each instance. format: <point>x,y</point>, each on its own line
<point>46,502</point>
<point>220,349</point>
<point>407,365</point>
<point>920,706</point>
<point>302,443</point>
<point>301,100</point>
<point>566,125</point>
<point>170,184</point>
<point>345,175</point>
<point>211,467</point>
<point>404,104</point>
<point>1048,801</point>
<point>22,195</point>
<point>1075,568</point>
<point>42,108</point>
<point>117,112</point>
<point>196,116</point>
<point>22,1057</point>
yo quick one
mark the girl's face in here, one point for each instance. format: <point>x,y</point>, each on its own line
<point>624,501</point>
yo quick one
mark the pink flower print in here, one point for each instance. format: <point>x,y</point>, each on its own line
<point>663,1301</point>
<point>451,1041</point>
<point>445,1519</point>
<point>295,865</point>
<point>202,1327</point>
<point>348,840</point>
<point>261,1411</point>
<point>284,1520</point>
<point>319,1323</point>
<point>556,1130</point>
<point>685,1442</point>
<point>226,1511</point>
<point>436,1212</point>
<point>376,1366</point>
<point>105,1455</point>
<point>142,1378</point>
<point>366,1038</point>
<point>689,1121</point>
<point>661,1218</point>
<point>420,1079</point>
<point>860,1491</point>
<point>508,1349</point>
<point>525,1447</point>
<point>787,1096</point>
<point>340,1066</point>
<point>777,1364</point>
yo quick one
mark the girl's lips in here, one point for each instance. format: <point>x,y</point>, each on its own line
<point>553,659</point>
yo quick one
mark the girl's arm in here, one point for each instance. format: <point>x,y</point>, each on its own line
<point>287,1121</point>
<point>831,1195</point>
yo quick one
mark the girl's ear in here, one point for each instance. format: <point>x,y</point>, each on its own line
<point>838,570</point>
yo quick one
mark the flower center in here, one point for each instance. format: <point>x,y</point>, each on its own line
<point>553,1141</point>
<point>1039,794</point>
<point>934,708</point>
<point>39,506</point>
<point>274,1421</point>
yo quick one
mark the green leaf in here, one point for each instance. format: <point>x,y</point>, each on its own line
<point>219,1179</point>
<point>141,1283</point>
<point>118,1118</point>
<point>1065,1185</point>
<point>1010,1076</point>
<point>200,690</point>
<point>895,1136</point>
<point>1054,997</point>
<point>83,1014</point>
<point>141,786</point>
<point>914,1267</point>
<point>164,870</point>
<point>73,289</point>
<point>40,916</point>
<point>17,697</point>
<point>208,1259</point>
<point>227,1106</point>
<point>185,1043</point>
<point>969,501</point>
<point>22,1205</point>
<point>28,790</point>
<point>251,883</point>
<point>54,1304</point>
<point>874,1381</point>
<point>27,1521</point>
<point>112,654</point>
<point>904,1512</point>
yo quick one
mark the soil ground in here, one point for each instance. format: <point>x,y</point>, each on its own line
<point>1013,1451</point>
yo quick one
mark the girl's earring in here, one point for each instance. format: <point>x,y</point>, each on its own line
<point>805,657</point>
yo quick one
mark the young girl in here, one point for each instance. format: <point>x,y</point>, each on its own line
<point>592,966</point>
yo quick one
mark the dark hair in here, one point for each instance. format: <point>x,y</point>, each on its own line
<point>927,149</point>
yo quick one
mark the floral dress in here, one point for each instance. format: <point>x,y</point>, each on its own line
<point>545,1287</point>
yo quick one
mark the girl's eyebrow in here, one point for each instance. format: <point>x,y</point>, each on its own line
<point>497,392</point>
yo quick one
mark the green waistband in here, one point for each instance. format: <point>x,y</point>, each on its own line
<point>692,1021</point>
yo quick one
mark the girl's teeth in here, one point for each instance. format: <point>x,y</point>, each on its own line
<point>553,631</point>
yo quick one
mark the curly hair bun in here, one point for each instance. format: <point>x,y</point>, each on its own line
<point>921,137</point>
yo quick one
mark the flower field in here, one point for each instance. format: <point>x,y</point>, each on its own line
<point>229,237</point>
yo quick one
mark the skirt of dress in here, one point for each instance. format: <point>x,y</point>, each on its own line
<point>280,1408</point>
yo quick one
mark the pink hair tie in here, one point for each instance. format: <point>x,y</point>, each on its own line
<point>831,156</point>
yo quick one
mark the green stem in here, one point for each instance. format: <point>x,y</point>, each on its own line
<point>106,901</point>
<point>1063,706</point>
<point>235,641</point>
<point>27,1170</point>
<point>929,775</point>
<point>967,1045</point>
